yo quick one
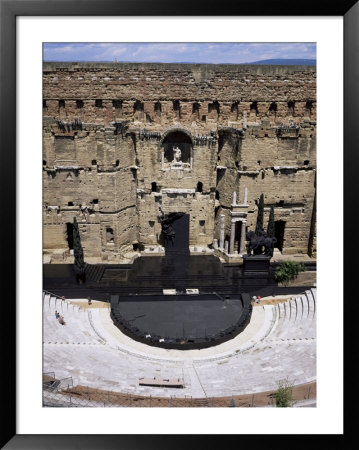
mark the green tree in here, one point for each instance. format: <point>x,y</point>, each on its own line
<point>78,251</point>
<point>270,228</point>
<point>284,395</point>
<point>259,225</point>
<point>287,271</point>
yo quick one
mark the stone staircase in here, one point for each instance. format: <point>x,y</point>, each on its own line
<point>94,272</point>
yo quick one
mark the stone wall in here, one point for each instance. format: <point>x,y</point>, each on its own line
<point>109,132</point>
<point>158,94</point>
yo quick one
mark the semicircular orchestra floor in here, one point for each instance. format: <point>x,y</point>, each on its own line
<point>180,320</point>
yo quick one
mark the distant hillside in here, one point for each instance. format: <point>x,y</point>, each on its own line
<point>278,62</point>
<point>286,62</point>
<point>282,62</point>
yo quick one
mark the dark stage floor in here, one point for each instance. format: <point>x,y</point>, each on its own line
<point>150,275</point>
<point>180,316</point>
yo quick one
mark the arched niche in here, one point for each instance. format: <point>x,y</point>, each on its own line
<point>177,139</point>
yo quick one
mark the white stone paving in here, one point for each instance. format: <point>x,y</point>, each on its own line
<point>279,342</point>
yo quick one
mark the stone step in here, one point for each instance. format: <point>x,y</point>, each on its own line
<point>305,307</point>
<point>292,310</point>
<point>94,272</point>
<point>299,301</point>
<point>311,302</point>
<point>281,312</point>
<point>192,376</point>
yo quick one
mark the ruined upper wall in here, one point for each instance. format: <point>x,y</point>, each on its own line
<point>158,95</point>
<point>148,81</point>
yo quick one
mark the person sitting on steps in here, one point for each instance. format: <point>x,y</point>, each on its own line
<point>61,320</point>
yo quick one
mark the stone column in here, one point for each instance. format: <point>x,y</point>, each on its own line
<point>163,160</point>
<point>191,163</point>
<point>234,199</point>
<point>233,233</point>
<point>243,233</point>
<point>245,196</point>
<point>221,232</point>
<point>226,246</point>
<point>215,243</point>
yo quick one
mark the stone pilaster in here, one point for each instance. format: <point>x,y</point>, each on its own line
<point>221,235</point>
<point>245,196</point>
<point>243,235</point>
<point>233,233</point>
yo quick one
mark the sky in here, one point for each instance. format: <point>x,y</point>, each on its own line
<point>210,53</point>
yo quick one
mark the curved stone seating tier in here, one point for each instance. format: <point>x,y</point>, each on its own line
<point>296,318</point>
<point>311,300</point>
<point>278,343</point>
<point>77,328</point>
<point>52,304</point>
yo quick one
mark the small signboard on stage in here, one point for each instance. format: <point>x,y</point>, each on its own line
<point>192,291</point>
<point>169,291</point>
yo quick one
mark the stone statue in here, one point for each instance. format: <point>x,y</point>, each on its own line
<point>269,243</point>
<point>256,242</point>
<point>166,221</point>
<point>176,154</point>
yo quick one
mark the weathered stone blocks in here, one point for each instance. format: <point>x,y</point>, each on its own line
<point>105,160</point>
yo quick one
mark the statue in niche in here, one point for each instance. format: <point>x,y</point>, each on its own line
<point>176,155</point>
<point>166,221</point>
<point>256,242</point>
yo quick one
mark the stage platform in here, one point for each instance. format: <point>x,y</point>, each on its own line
<point>181,321</point>
<point>219,311</point>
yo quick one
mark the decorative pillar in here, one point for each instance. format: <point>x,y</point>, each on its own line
<point>226,246</point>
<point>243,232</point>
<point>233,233</point>
<point>191,163</point>
<point>162,160</point>
<point>245,196</point>
<point>221,232</point>
<point>234,199</point>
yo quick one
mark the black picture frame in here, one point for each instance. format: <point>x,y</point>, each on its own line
<point>9,10</point>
